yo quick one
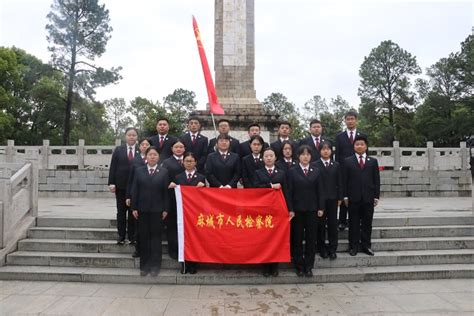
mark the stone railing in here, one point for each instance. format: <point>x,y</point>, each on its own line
<point>18,198</point>
<point>98,157</point>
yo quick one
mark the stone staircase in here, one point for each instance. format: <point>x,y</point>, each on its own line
<point>70,249</point>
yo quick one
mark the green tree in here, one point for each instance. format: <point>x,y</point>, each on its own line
<point>179,105</point>
<point>144,113</point>
<point>385,81</point>
<point>278,103</point>
<point>117,114</point>
<point>78,32</point>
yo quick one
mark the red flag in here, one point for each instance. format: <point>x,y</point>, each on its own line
<point>215,107</point>
<point>233,226</point>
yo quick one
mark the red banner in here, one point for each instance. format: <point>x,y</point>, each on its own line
<point>238,226</point>
<point>214,105</point>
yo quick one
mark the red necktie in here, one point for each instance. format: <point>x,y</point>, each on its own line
<point>152,171</point>
<point>190,176</point>
<point>194,139</point>
<point>270,172</point>
<point>305,171</point>
<point>327,164</point>
<point>162,139</point>
<point>361,162</point>
<point>224,156</point>
<point>289,164</point>
<point>130,153</point>
<point>316,142</point>
<point>180,161</point>
<point>256,160</point>
<point>351,138</point>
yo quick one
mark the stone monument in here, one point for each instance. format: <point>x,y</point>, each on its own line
<point>234,66</point>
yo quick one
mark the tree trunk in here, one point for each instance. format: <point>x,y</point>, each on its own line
<point>70,91</point>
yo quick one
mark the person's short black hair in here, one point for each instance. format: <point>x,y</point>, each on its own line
<point>151,148</point>
<point>162,119</point>
<point>284,123</point>
<point>189,154</point>
<point>302,149</point>
<point>223,136</point>
<point>361,137</point>
<point>194,118</point>
<point>325,144</point>
<point>144,139</point>
<point>315,121</point>
<point>223,120</point>
<point>178,140</point>
<point>256,137</point>
<point>252,125</point>
<point>268,149</point>
<point>131,129</point>
<point>350,113</point>
<point>285,142</point>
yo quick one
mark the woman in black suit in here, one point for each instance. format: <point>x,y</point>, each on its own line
<point>150,205</point>
<point>174,165</point>
<point>118,181</point>
<point>189,177</point>
<point>252,162</point>
<point>287,161</point>
<point>306,200</point>
<point>271,176</point>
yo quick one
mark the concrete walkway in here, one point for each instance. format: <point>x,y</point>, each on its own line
<point>388,207</point>
<point>433,297</point>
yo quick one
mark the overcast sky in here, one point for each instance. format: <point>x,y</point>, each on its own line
<point>303,48</point>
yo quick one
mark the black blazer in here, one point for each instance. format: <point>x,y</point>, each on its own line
<point>173,167</point>
<point>234,145</point>
<point>223,171</point>
<point>182,179</point>
<point>332,179</point>
<point>120,167</point>
<point>282,165</point>
<point>310,142</point>
<point>248,170</point>
<point>264,180</point>
<point>361,185</point>
<point>245,148</point>
<point>137,162</point>
<point>276,146</point>
<point>199,149</point>
<point>343,145</point>
<point>165,150</point>
<point>306,193</point>
<point>150,192</point>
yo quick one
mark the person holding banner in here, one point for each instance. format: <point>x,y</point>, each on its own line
<point>223,166</point>
<point>174,165</point>
<point>306,201</point>
<point>252,162</point>
<point>150,205</point>
<point>189,177</point>
<point>270,176</point>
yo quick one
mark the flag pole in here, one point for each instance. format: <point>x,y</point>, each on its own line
<point>214,124</point>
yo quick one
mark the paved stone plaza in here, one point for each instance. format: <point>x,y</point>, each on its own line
<point>430,297</point>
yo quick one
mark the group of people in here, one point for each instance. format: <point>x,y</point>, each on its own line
<point>315,181</point>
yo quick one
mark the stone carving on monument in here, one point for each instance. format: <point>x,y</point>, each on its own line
<point>234,66</point>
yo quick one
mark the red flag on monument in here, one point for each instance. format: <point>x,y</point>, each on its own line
<point>214,105</point>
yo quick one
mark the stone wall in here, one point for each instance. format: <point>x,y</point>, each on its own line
<point>93,183</point>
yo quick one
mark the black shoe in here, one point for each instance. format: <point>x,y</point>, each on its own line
<point>353,252</point>
<point>275,273</point>
<point>323,254</point>
<point>342,226</point>
<point>308,273</point>
<point>192,270</point>
<point>136,254</point>
<point>120,241</point>
<point>266,273</point>
<point>368,251</point>
<point>299,272</point>
<point>143,272</point>
<point>154,273</point>
<point>332,256</point>
<point>133,242</point>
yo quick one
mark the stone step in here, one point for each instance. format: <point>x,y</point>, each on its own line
<point>378,221</point>
<point>377,232</point>
<point>109,246</point>
<point>118,260</point>
<point>231,277</point>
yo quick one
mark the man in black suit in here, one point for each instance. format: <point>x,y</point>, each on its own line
<point>195,142</point>
<point>162,140</point>
<point>284,131</point>
<point>361,178</point>
<point>253,129</point>
<point>344,149</point>
<point>223,126</point>
<point>315,139</point>
<point>223,166</point>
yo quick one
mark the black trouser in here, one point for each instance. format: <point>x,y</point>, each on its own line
<point>150,226</point>
<point>270,267</point>
<point>360,224</point>
<point>304,228</point>
<point>328,220</point>
<point>122,212</point>
<point>343,214</point>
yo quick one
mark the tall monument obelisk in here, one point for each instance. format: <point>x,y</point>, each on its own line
<point>234,66</point>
